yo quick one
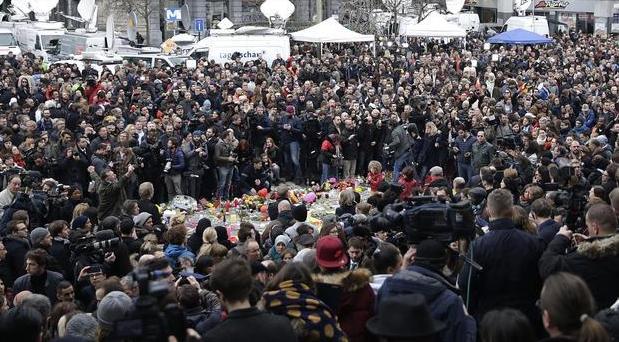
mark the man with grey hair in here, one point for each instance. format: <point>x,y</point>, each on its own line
<point>82,325</point>
<point>508,257</point>
<point>40,303</point>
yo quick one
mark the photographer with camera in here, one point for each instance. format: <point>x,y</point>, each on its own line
<point>111,190</point>
<point>7,196</point>
<point>592,257</point>
<point>422,273</point>
<point>509,259</point>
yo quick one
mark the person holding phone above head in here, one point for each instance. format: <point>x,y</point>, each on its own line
<point>594,257</point>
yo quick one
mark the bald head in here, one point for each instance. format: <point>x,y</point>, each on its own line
<point>19,298</point>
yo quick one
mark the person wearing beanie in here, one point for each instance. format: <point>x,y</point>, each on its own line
<point>348,292</point>
<point>82,325</point>
<point>113,307</point>
<point>143,222</point>
<point>424,276</point>
<point>41,238</point>
<point>81,226</point>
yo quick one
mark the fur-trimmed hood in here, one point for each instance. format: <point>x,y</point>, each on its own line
<point>600,247</point>
<point>350,281</point>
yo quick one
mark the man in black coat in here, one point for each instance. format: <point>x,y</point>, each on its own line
<point>509,259</point>
<point>17,245</point>
<point>232,281</point>
<point>595,259</point>
<point>59,250</point>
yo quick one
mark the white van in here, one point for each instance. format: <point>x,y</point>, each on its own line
<point>153,60</point>
<point>75,43</point>
<point>8,43</point>
<point>40,38</point>
<point>537,24</point>
<point>467,20</point>
<point>250,47</point>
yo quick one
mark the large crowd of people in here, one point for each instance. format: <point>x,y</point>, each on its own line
<point>526,134</point>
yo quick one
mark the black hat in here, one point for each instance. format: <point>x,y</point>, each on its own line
<point>404,316</point>
<point>430,251</point>
<point>299,212</point>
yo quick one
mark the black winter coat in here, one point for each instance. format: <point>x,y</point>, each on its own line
<point>249,325</point>
<point>16,250</point>
<point>596,261</point>
<point>509,277</point>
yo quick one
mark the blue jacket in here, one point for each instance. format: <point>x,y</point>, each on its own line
<point>444,302</point>
<point>510,276</point>
<point>295,132</point>
<point>173,252</point>
<point>548,229</point>
<point>178,161</point>
<point>465,146</point>
<point>590,120</point>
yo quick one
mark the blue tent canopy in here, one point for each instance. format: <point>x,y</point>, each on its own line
<point>519,37</point>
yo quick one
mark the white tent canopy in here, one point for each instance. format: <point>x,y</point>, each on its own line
<point>330,31</point>
<point>434,25</point>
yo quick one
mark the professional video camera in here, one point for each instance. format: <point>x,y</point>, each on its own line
<point>148,321</point>
<point>423,218</point>
<point>440,221</point>
<point>89,250</point>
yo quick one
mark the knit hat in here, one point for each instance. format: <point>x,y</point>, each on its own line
<point>299,212</point>
<point>37,235</point>
<point>82,325</point>
<point>79,222</point>
<point>290,109</point>
<point>141,218</point>
<point>113,307</point>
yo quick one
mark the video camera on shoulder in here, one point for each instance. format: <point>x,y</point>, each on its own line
<point>440,221</point>
<point>151,320</point>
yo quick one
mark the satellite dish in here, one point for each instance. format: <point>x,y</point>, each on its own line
<point>269,8</point>
<point>225,24</point>
<point>521,5</point>
<point>86,8</point>
<point>280,8</point>
<point>185,17</point>
<point>109,32</point>
<point>132,26</point>
<point>22,7</point>
<point>454,6</point>
<point>42,8</point>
